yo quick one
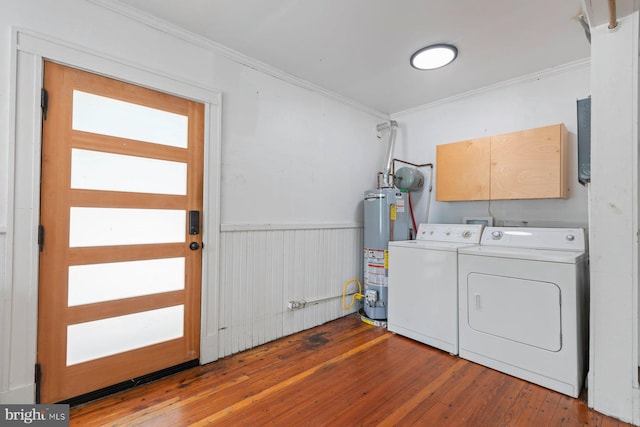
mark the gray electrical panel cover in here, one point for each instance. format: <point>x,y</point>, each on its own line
<point>584,140</point>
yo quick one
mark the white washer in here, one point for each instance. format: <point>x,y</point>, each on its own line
<point>523,305</point>
<point>423,283</point>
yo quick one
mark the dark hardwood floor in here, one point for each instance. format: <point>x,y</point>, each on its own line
<point>343,373</point>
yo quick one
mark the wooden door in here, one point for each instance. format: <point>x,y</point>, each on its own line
<point>121,262</point>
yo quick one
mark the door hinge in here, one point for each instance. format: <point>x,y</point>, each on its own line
<point>44,102</point>
<point>41,237</point>
<point>38,381</point>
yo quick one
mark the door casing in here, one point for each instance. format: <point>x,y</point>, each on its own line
<point>18,330</point>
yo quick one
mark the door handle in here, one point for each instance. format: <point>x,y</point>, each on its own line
<point>194,246</point>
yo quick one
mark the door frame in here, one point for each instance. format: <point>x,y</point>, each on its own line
<point>18,333</point>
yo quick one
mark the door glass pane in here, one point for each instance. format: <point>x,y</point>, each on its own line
<point>100,338</point>
<point>118,226</point>
<point>94,170</point>
<point>110,281</point>
<point>108,116</point>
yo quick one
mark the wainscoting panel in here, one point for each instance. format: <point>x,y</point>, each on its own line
<point>261,270</point>
<point>5,317</point>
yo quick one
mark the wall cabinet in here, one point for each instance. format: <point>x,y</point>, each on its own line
<point>528,164</point>
<point>463,170</point>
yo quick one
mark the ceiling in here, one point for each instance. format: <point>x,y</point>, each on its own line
<point>360,49</point>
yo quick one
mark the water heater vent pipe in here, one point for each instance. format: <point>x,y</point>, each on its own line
<point>387,176</point>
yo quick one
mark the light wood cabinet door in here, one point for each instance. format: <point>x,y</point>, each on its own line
<point>529,164</point>
<point>463,170</point>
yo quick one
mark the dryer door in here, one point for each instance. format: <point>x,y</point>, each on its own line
<point>521,310</point>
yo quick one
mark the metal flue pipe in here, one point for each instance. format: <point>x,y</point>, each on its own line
<point>387,178</point>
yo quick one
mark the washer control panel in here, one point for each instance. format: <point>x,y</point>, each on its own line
<point>457,233</point>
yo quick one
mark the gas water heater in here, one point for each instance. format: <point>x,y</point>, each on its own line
<point>386,218</point>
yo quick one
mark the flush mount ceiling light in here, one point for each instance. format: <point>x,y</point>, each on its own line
<point>434,56</point>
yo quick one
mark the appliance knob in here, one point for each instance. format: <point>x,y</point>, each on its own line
<point>571,237</point>
<point>496,235</point>
<point>466,234</point>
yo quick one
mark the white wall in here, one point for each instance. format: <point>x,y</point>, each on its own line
<point>613,378</point>
<point>538,100</point>
<point>292,156</point>
<point>293,159</point>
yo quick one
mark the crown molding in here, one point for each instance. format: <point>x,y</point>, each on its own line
<point>549,72</point>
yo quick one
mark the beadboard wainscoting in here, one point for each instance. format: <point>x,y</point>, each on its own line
<point>262,268</point>
<point>5,314</point>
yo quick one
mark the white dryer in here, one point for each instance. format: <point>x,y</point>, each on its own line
<point>423,283</point>
<point>523,305</point>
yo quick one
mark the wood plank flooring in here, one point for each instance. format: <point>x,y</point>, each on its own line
<point>343,373</point>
